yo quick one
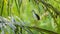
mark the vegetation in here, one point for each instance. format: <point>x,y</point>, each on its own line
<point>29,16</point>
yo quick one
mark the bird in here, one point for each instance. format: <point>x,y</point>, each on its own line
<point>36,16</point>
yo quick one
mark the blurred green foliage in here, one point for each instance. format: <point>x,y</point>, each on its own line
<point>16,17</point>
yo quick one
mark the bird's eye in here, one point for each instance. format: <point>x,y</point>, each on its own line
<point>35,15</point>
